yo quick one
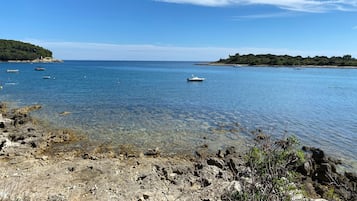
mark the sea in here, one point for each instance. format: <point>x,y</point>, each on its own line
<point>151,104</point>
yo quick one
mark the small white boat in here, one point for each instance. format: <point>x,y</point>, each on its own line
<point>195,79</point>
<point>12,70</point>
<point>46,77</point>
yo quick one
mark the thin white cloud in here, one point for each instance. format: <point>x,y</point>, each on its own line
<point>265,15</point>
<point>293,5</point>
<point>147,52</point>
<point>201,2</point>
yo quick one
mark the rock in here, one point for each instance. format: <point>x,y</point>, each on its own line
<point>351,176</point>
<point>4,121</point>
<point>229,151</point>
<point>233,164</point>
<point>27,109</point>
<point>2,144</point>
<point>58,197</point>
<point>220,154</point>
<point>205,182</point>
<point>323,173</point>
<point>216,162</point>
<point>317,154</point>
<point>145,196</point>
<point>234,186</point>
<point>309,188</point>
<point>87,156</point>
<point>33,144</point>
<point>296,196</point>
<point>201,153</point>
<point>306,169</point>
<point>30,130</point>
<point>207,175</point>
<point>152,152</point>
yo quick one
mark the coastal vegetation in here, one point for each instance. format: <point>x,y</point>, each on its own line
<point>286,60</point>
<point>20,51</point>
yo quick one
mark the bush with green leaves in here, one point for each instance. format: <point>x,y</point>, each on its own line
<point>271,169</point>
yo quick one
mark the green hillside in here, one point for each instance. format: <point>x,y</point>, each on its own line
<point>286,60</point>
<point>17,50</point>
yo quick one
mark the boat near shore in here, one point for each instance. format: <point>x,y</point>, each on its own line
<point>40,69</point>
<point>12,70</point>
<point>195,79</point>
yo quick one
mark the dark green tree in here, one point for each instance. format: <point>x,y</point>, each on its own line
<point>286,60</point>
<point>17,50</point>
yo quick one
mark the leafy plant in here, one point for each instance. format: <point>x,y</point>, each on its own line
<point>271,165</point>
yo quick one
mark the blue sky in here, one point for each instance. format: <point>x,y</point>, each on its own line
<point>200,30</point>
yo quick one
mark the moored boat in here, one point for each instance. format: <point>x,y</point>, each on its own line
<point>195,79</point>
<point>12,70</point>
<point>40,69</point>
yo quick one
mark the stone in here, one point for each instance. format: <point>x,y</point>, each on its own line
<point>317,154</point>
<point>2,144</point>
<point>234,186</point>
<point>145,196</point>
<point>152,152</point>
<point>58,197</point>
<point>215,162</point>
<point>351,176</point>
<point>233,165</point>
<point>229,151</point>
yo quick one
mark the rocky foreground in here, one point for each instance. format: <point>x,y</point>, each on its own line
<point>37,163</point>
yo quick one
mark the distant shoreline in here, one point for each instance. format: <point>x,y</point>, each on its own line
<point>43,60</point>
<point>276,66</point>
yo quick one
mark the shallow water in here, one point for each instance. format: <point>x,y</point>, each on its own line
<point>150,104</point>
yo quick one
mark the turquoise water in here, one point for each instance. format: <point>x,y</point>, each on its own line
<point>150,104</point>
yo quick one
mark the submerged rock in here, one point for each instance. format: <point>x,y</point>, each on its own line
<point>65,113</point>
<point>26,110</point>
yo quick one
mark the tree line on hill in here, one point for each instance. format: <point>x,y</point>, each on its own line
<point>286,60</point>
<point>17,50</point>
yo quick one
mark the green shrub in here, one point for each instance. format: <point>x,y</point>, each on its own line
<point>272,165</point>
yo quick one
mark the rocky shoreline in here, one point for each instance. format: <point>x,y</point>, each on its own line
<point>40,60</point>
<point>37,163</point>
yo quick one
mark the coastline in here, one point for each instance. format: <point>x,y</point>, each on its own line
<point>274,66</point>
<point>41,60</point>
<point>43,163</point>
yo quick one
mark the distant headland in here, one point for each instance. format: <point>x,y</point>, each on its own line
<point>17,51</point>
<point>285,60</point>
